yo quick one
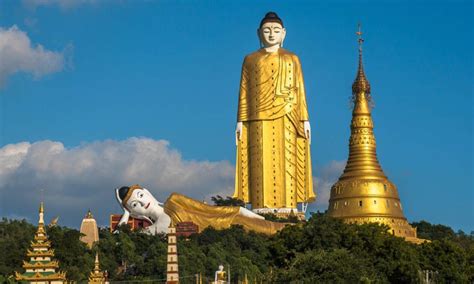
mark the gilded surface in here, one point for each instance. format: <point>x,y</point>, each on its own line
<point>273,156</point>
<point>363,193</point>
<point>184,209</point>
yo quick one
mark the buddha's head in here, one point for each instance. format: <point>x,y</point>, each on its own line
<point>137,200</point>
<point>271,31</point>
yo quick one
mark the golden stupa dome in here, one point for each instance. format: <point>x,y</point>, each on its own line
<point>363,193</point>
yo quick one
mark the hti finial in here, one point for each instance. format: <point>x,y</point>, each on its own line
<point>41,210</point>
<point>89,215</point>
<point>361,84</point>
<point>97,258</point>
<point>360,39</point>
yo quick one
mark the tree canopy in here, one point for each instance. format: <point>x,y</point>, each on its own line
<point>320,250</point>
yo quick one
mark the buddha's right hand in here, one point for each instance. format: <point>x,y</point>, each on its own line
<point>124,219</point>
<point>238,132</point>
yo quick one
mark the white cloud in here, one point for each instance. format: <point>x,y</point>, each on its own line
<point>326,176</point>
<point>84,177</point>
<point>64,4</point>
<point>17,54</point>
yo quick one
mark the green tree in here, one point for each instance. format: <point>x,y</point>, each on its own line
<point>228,201</point>
<point>448,259</point>
<point>15,238</point>
<point>429,231</point>
<point>333,266</point>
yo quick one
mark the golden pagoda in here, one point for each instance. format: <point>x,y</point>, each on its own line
<point>89,230</point>
<point>363,192</point>
<point>41,268</point>
<point>97,276</point>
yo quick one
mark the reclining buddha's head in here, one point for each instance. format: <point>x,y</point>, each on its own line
<point>137,200</point>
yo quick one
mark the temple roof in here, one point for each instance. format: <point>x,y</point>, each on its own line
<point>46,275</point>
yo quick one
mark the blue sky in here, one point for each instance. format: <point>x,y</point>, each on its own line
<point>168,71</point>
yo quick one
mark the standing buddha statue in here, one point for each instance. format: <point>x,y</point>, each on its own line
<point>273,133</point>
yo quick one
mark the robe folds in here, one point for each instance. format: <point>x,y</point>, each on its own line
<point>184,209</point>
<point>273,163</point>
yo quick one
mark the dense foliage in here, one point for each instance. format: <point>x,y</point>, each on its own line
<point>321,250</point>
<point>228,201</point>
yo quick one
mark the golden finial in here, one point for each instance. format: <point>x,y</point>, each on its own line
<point>89,215</point>
<point>361,84</point>
<point>41,209</point>
<point>41,214</point>
<point>96,262</point>
<point>360,40</point>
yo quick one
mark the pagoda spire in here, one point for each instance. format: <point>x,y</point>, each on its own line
<point>97,276</point>
<point>41,267</point>
<point>96,262</point>
<point>361,84</point>
<point>362,162</point>
<point>363,193</point>
<point>41,213</point>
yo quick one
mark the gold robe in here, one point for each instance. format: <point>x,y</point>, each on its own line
<point>184,209</point>
<point>273,167</point>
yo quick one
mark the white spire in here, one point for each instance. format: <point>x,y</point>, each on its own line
<point>41,213</point>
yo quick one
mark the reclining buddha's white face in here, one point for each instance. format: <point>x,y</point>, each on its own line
<point>139,203</point>
<point>142,203</point>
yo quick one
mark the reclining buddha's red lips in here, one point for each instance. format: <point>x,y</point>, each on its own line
<point>148,205</point>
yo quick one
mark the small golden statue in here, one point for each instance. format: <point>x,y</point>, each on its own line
<point>273,133</point>
<point>220,276</point>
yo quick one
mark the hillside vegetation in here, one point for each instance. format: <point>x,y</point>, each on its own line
<point>321,250</point>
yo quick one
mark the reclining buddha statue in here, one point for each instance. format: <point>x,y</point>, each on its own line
<point>139,203</point>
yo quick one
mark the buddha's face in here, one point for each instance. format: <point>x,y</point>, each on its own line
<point>141,202</point>
<point>271,34</point>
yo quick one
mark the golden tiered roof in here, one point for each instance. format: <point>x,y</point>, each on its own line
<point>41,276</point>
<point>44,244</point>
<point>41,266</point>
<point>40,253</point>
<point>363,192</point>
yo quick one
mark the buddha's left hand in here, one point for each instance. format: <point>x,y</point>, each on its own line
<point>307,131</point>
